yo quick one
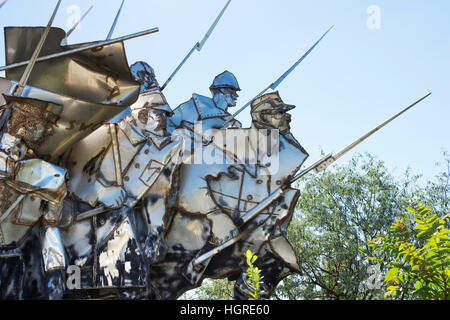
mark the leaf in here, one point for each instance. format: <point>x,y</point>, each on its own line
<point>418,285</point>
<point>415,267</point>
<point>412,210</point>
<point>393,288</point>
<point>391,274</point>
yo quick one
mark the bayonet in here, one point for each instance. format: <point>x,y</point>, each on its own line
<point>64,41</point>
<point>326,161</point>
<point>26,74</point>
<point>198,46</point>
<point>235,235</point>
<point>277,82</point>
<point>110,33</point>
<point>82,48</point>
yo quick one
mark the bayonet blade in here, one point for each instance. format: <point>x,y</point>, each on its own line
<point>201,43</point>
<point>275,84</point>
<point>111,31</point>
<point>32,61</point>
<point>76,25</point>
<point>198,46</point>
<point>326,161</point>
<point>368,134</point>
<point>2,2</point>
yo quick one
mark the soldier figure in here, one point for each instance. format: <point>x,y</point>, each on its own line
<point>29,188</point>
<point>114,168</point>
<point>211,112</point>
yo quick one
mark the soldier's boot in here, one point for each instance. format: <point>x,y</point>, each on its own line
<point>53,257</point>
<point>155,246</point>
<point>12,270</point>
<point>55,282</point>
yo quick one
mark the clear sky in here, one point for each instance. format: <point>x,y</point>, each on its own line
<point>380,57</point>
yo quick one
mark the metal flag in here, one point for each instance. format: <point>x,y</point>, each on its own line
<point>198,46</point>
<point>322,164</point>
<point>64,41</point>
<point>275,84</point>
<point>92,85</point>
<point>32,61</point>
<point>110,33</point>
<point>17,90</point>
<point>82,48</point>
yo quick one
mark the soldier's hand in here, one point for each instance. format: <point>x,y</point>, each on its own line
<point>112,197</point>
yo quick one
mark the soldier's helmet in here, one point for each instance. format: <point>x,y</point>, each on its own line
<point>269,103</point>
<point>145,75</point>
<point>225,80</point>
<point>153,100</point>
<point>163,107</point>
<point>268,110</point>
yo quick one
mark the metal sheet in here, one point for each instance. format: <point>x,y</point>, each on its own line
<point>78,118</point>
<point>101,76</point>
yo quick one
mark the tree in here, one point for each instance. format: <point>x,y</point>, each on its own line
<point>339,211</point>
<point>416,254</point>
<point>436,194</point>
<point>219,289</point>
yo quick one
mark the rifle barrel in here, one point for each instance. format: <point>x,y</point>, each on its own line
<point>198,46</point>
<point>321,165</point>
<point>34,57</point>
<point>76,25</point>
<point>110,33</point>
<point>275,84</point>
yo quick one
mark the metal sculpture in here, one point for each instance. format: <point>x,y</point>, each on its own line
<point>56,108</point>
<point>142,201</point>
<point>211,112</point>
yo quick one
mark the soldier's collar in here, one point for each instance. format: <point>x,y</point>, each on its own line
<point>129,128</point>
<point>207,108</point>
<point>159,141</point>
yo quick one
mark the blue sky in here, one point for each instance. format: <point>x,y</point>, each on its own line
<point>356,78</point>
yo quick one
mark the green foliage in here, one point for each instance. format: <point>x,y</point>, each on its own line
<point>339,211</point>
<point>219,289</point>
<point>416,254</point>
<point>253,275</point>
<point>339,215</point>
<point>436,195</point>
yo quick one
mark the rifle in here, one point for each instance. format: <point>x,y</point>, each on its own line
<point>198,46</point>
<point>110,33</point>
<point>64,41</point>
<point>199,263</point>
<point>275,84</point>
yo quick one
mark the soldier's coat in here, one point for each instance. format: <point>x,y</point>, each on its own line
<point>200,108</point>
<point>108,247</point>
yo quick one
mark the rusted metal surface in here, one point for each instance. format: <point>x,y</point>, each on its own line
<point>58,107</point>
